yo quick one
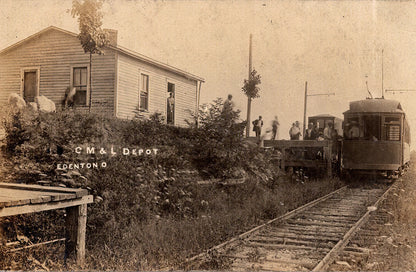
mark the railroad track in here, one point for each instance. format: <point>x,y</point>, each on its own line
<point>305,239</point>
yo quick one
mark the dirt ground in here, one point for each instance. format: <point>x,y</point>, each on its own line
<point>388,241</point>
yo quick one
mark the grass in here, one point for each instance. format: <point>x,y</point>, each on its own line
<point>167,241</point>
<point>151,215</point>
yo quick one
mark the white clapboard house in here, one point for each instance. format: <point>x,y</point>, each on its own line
<point>123,81</point>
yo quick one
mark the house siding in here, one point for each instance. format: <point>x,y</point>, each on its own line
<point>55,53</point>
<point>128,90</point>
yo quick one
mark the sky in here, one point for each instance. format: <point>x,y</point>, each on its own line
<point>336,46</point>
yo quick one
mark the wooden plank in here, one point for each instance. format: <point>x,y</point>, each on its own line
<point>60,197</point>
<point>296,143</point>
<point>41,199</point>
<point>79,192</point>
<point>31,208</point>
<point>295,242</point>
<point>282,236</point>
<point>306,163</point>
<point>289,247</point>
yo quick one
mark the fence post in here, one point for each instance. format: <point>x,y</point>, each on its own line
<point>76,224</point>
<point>283,158</point>
<point>328,157</point>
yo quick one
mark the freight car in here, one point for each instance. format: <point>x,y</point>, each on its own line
<point>376,138</point>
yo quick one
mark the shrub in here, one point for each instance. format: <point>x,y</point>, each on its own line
<point>135,190</point>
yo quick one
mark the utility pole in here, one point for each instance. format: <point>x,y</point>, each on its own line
<point>249,98</point>
<point>305,104</point>
<point>382,73</point>
<point>304,108</point>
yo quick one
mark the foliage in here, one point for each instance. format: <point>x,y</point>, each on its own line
<point>92,37</point>
<point>137,194</point>
<point>250,87</point>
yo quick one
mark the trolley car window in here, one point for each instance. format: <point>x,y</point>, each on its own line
<point>372,124</point>
<point>392,128</point>
<point>352,128</point>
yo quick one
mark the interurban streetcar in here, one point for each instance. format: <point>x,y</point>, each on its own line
<point>376,137</point>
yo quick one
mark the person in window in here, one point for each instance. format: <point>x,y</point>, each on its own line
<point>354,131</point>
<point>170,110</point>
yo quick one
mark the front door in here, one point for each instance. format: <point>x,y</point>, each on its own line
<point>30,86</point>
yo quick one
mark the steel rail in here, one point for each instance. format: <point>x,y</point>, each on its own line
<point>288,215</point>
<point>322,265</point>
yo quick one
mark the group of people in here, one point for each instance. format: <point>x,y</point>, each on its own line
<point>311,133</point>
<point>258,124</point>
<point>328,133</point>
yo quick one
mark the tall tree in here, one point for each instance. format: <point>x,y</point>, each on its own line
<point>251,89</point>
<point>92,37</point>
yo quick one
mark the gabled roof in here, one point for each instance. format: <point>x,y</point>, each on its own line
<point>117,48</point>
<point>325,116</point>
<point>375,105</point>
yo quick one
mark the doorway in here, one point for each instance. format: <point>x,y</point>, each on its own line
<point>170,110</point>
<point>30,84</point>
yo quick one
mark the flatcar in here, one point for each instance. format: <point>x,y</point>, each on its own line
<point>376,138</point>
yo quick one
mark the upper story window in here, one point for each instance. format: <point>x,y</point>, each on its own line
<point>144,92</point>
<point>80,83</point>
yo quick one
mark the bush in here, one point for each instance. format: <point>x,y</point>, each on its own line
<point>135,190</point>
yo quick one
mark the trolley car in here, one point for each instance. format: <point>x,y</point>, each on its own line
<point>376,137</point>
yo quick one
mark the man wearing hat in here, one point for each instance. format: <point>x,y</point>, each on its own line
<point>354,132</point>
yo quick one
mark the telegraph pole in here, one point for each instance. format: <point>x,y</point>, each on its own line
<point>249,98</point>
<point>304,108</point>
<point>305,104</point>
<point>382,73</point>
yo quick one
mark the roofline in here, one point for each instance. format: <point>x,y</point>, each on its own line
<point>151,61</point>
<point>35,35</point>
<point>117,48</point>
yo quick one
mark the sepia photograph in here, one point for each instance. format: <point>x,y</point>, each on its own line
<point>215,135</point>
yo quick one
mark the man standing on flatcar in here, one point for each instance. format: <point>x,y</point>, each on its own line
<point>275,127</point>
<point>328,131</point>
<point>294,131</point>
<point>257,125</point>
